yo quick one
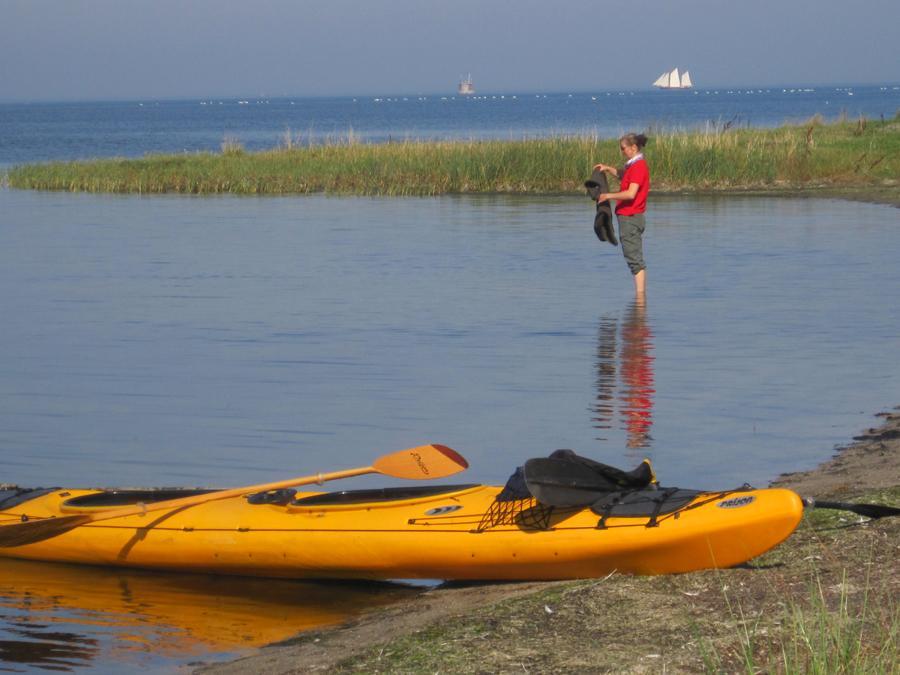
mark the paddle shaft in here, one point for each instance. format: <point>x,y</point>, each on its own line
<point>184,502</point>
<point>868,510</point>
<point>420,463</point>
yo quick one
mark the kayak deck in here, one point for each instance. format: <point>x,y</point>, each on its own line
<point>438,532</point>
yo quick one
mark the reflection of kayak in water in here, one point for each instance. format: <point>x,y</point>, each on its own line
<point>437,532</point>
<point>75,612</point>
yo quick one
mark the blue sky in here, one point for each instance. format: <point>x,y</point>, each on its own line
<point>131,49</point>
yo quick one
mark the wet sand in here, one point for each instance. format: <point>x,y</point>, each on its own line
<point>694,622</point>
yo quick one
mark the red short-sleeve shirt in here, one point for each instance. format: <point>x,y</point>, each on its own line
<point>640,174</point>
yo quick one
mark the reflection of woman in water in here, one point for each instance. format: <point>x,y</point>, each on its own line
<point>604,407</point>
<point>634,180</point>
<point>625,376</point>
<point>637,376</point>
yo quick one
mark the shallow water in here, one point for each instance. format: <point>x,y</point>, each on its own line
<point>74,618</point>
<point>228,341</point>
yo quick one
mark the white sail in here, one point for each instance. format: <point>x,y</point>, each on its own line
<point>674,80</point>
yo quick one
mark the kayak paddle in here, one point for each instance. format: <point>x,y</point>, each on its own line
<point>873,511</point>
<point>420,463</point>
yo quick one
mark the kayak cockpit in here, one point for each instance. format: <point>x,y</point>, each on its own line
<point>118,498</point>
<point>284,497</point>
<point>391,494</point>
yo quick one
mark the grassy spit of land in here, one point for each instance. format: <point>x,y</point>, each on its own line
<point>849,154</point>
<point>825,601</point>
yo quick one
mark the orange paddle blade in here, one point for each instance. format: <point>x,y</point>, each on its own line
<point>421,463</point>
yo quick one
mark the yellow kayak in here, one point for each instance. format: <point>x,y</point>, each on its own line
<point>431,532</point>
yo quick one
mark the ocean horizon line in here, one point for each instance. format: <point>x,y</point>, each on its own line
<point>262,98</point>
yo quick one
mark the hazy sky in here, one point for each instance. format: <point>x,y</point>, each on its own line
<point>135,49</point>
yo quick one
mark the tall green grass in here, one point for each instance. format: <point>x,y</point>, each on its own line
<point>848,152</point>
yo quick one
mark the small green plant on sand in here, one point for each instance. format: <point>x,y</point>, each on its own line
<point>833,630</point>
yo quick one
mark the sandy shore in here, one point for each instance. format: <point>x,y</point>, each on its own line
<point>723,620</point>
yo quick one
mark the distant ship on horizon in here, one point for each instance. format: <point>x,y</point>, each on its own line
<point>671,80</point>
<point>466,86</point>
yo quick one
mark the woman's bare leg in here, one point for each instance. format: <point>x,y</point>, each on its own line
<point>640,282</point>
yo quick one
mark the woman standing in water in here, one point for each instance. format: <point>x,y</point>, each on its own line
<point>634,179</point>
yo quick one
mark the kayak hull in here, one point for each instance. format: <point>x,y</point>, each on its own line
<point>459,534</point>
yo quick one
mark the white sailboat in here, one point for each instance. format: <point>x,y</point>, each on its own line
<point>672,80</point>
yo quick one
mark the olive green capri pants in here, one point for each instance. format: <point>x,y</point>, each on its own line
<point>631,234</point>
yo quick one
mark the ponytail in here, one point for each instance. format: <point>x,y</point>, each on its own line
<point>640,140</point>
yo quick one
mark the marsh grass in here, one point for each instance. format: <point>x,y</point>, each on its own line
<point>850,152</point>
<point>231,147</point>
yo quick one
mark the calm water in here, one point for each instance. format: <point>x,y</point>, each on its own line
<point>74,618</point>
<point>228,341</point>
<point>36,132</point>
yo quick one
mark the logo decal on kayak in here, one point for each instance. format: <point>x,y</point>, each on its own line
<point>424,469</point>
<point>441,510</point>
<point>736,502</point>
